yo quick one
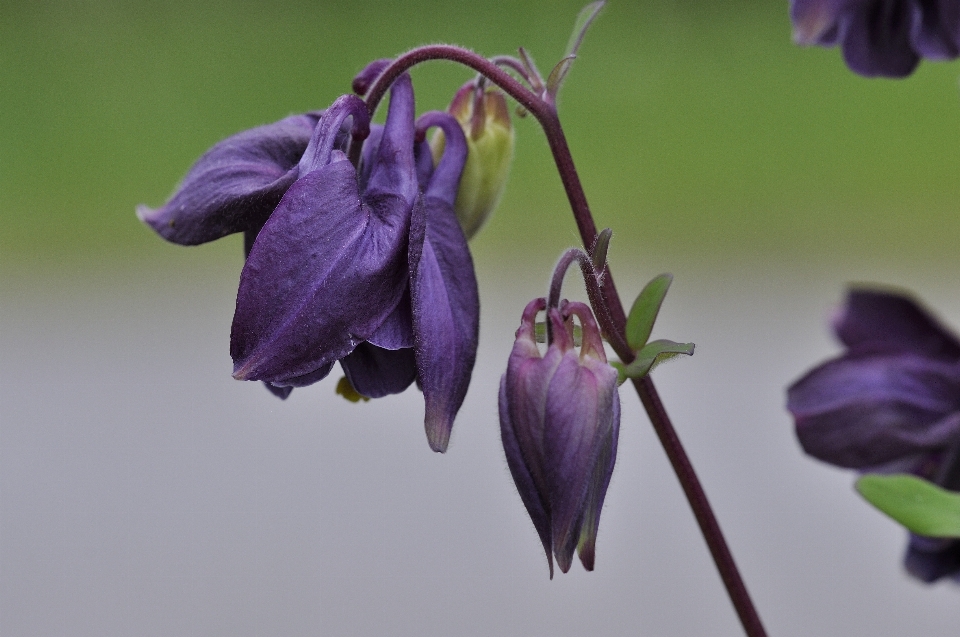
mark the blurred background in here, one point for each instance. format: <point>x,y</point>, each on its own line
<point>143,491</point>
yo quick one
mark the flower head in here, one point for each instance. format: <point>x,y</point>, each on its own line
<point>881,37</point>
<point>891,402</point>
<point>559,422</point>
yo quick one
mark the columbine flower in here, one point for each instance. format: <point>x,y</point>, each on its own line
<point>559,421</point>
<point>881,37</point>
<point>890,403</point>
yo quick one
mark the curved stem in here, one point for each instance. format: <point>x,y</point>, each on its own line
<point>546,114</point>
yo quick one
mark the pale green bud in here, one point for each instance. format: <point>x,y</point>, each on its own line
<point>485,119</point>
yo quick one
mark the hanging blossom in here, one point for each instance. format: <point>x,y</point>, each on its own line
<point>880,37</point>
<point>559,422</point>
<point>889,404</point>
<point>366,266</point>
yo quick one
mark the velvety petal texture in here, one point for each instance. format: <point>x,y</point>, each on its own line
<point>443,290</point>
<point>235,185</point>
<point>892,399</point>
<point>881,37</point>
<point>559,422</point>
<point>329,266</point>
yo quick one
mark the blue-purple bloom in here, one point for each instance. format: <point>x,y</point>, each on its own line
<point>889,403</point>
<point>559,422</point>
<point>366,266</point>
<point>881,37</point>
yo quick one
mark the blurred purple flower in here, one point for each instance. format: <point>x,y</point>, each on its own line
<point>366,266</point>
<point>880,37</point>
<point>890,403</point>
<point>559,422</point>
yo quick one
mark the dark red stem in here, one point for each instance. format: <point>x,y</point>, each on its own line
<point>546,114</point>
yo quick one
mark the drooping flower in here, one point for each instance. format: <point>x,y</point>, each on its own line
<point>559,422</point>
<point>329,266</point>
<point>881,37</point>
<point>889,403</point>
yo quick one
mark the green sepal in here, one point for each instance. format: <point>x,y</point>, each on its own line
<point>558,74</point>
<point>651,355</point>
<point>599,253</point>
<point>920,506</point>
<point>644,312</point>
<point>580,26</point>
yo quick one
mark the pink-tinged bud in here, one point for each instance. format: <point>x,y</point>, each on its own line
<point>485,119</point>
<point>559,422</point>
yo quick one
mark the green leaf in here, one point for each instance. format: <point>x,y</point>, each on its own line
<point>600,247</point>
<point>921,506</point>
<point>644,312</point>
<point>540,330</point>
<point>558,74</point>
<point>650,356</point>
<point>584,19</point>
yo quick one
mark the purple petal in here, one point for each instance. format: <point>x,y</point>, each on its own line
<point>936,29</point>
<point>235,185</point>
<point>600,480</point>
<point>575,429</point>
<point>815,21</point>
<point>529,494</point>
<point>329,266</point>
<point>366,77</point>
<point>528,379</point>
<point>862,411</point>
<point>444,296</point>
<point>876,40</point>
<point>304,380</point>
<point>929,559</point>
<point>375,372</point>
<point>875,320</point>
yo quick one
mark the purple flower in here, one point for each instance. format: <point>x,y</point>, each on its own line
<point>881,37</point>
<point>891,402</point>
<point>559,421</point>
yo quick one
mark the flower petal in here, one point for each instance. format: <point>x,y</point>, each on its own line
<point>876,40</point>
<point>235,185</point>
<point>877,320</point>
<point>929,559</point>
<point>529,494</point>
<point>444,295</point>
<point>329,265</point>
<point>936,29</point>
<point>375,372</point>
<point>862,411</point>
<point>575,429</point>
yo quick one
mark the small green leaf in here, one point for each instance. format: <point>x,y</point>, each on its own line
<point>584,19</point>
<point>540,330</point>
<point>600,247</point>
<point>652,354</point>
<point>644,312</point>
<point>921,506</point>
<point>558,74</point>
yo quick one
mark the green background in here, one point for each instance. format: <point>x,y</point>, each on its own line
<point>699,130</point>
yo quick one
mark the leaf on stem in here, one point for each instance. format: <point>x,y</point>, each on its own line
<point>650,356</point>
<point>921,506</point>
<point>558,74</point>
<point>584,19</point>
<point>599,252</point>
<point>644,312</point>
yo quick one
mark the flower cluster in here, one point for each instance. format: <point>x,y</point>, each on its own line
<point>881,37</point>
<point>362,265</point>
<point>560,421</point>
<point>890,403</point>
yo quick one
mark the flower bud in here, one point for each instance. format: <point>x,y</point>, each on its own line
<point>485,119</point>
<point>559,422</point>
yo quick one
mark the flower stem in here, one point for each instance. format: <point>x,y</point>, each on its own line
<point>543,108</point>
